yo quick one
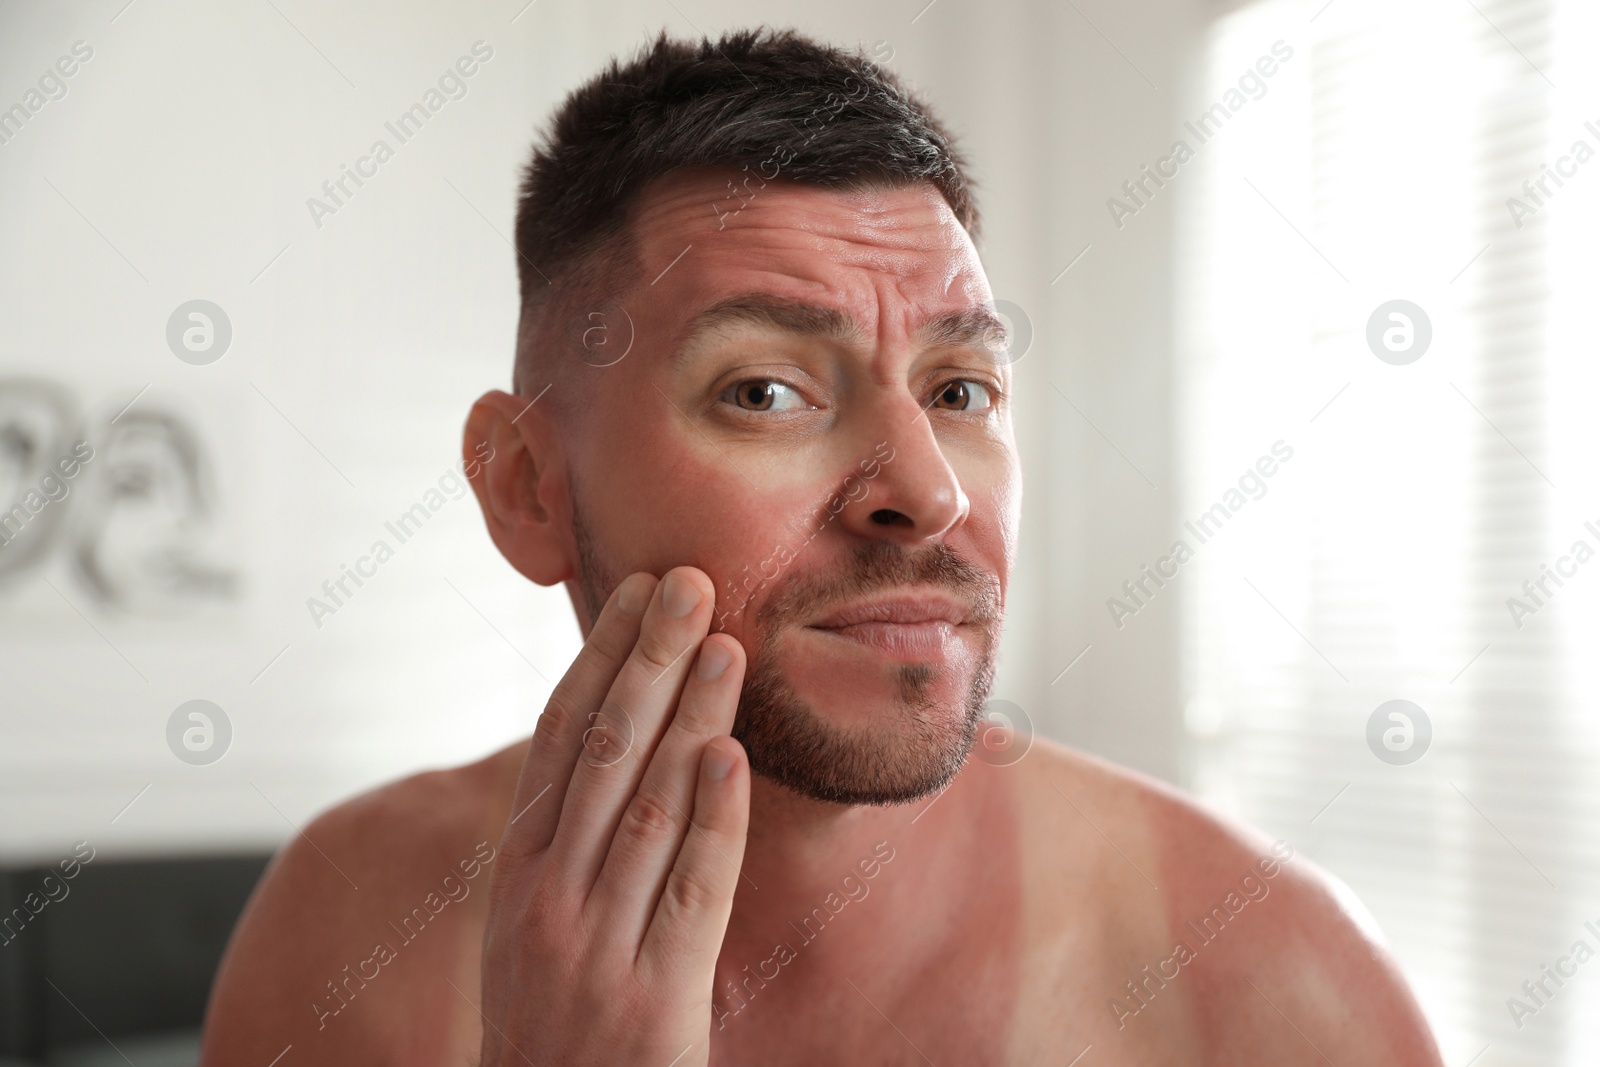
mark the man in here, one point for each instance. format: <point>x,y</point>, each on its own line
<point>761,431</point>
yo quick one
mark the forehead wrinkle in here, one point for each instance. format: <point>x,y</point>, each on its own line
<point>976,326</point>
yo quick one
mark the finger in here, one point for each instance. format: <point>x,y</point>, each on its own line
<point>656,819</point>
<point>691,918</point>
<point>622,734</point>
<point>553,752</point>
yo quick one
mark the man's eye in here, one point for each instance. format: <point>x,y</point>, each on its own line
<point>764,394</point>
<point>964,395</point>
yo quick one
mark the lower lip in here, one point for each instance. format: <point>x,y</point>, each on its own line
<point>914,642</point>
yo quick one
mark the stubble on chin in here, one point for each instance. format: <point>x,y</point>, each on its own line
<point>908,751</point>
<point>905,752</point>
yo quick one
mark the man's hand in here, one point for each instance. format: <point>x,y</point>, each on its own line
<point>607,907</point>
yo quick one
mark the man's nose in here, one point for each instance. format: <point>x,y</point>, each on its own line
<point>914,497</point>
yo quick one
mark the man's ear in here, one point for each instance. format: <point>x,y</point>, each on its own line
<point>513,458</point>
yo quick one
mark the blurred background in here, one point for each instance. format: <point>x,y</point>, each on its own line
<point>1300,284</point>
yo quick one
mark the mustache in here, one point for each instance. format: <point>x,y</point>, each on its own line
<point>881,565</point>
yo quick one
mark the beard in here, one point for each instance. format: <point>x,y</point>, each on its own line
<point>910,752</point>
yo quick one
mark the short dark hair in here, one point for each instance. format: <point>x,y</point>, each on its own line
<point>763,99</point>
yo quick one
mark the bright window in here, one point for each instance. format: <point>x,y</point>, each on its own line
<point>1386,559</point>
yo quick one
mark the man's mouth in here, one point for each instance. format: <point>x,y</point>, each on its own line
<point>913,627</point>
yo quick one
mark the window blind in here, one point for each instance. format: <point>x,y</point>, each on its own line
<point>1428,153</point>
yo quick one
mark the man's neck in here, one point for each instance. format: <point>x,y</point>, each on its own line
<point>810,864</point>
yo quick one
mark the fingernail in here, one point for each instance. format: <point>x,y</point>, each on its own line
<point>634,595</point>
<point>714,659</point>
<point>679,596</point>
<point>718,762</point>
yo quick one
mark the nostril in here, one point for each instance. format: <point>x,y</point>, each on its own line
<point>889,517</point>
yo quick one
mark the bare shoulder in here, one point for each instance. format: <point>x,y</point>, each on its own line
<point>358,918</point>
<point>1236,941</point>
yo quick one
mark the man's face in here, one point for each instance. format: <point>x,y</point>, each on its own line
<point>842,469</point>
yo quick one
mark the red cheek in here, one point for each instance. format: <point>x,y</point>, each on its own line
<point>681,507</point>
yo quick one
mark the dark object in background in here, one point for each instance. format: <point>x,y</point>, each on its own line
<point>134,945</point>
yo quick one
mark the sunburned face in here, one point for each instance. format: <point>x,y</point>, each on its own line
<point>815,411</point>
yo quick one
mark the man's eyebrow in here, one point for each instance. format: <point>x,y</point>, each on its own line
<point>773,312</point>
<point>977,326</point>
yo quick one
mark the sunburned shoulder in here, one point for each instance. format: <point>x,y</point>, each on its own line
<point>371,900</point>
<point>1214,931</point>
